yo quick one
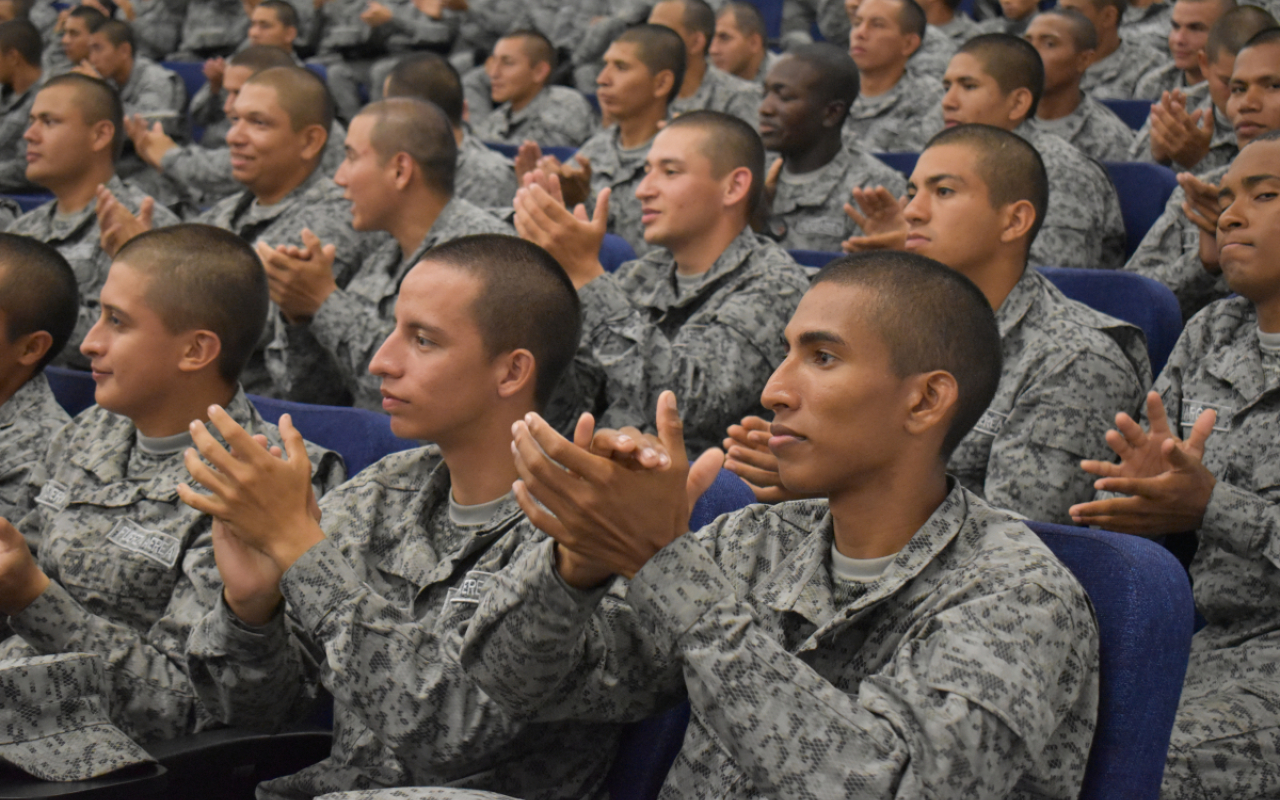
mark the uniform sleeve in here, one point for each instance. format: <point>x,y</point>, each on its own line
<point>205,170</point>
<point>420,29</point>
<point>1170,254</point>
<point>302,369</point>
<point>349,329</point>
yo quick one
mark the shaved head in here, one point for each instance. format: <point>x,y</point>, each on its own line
<point>301,94</point>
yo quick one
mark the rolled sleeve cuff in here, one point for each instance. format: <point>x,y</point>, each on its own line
<point>676,589</point>
<point>1241,520</point>
<point>318,584</point>
<point>234,635</point>
<point>51,622</point>
<point>561,601</point>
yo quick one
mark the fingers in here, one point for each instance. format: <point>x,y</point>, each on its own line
<point>755,476</point>
<point>855,215</point>
<point>542,519</point>
<point>1104,469</point>
<point>1201,430</point>
<point>1130,435</point>
<point>9,535</point>
<point>583,430</point>
<point>703,473</point>
<point>671,428</point>
<point>311,242</point>
<point>771,178</point>
<point>534,434</point>
<point>295,447</point>
<point>145,212</point>
<point>601,218</point>
<point>1157,416</point>
<point>203,503</point>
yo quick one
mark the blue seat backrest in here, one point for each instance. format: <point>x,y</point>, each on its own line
<point>1133,298</point>
<point>508,150</point>
<point>1143,603</point>
<point>1133,112</point>
<point>360,436</point>
<point>614,252</point>
<point>1144,190</point>
<point>26,202</point>
<point>814,259</point>
<point>648,747</point>
<point>191,72</point>
<point>72,388</point>
<point>320,70</point>
<point>902,162</point>
<point>771,10</point>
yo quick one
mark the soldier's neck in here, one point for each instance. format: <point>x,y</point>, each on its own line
<point>938,14</point>
<point>817,156</point>
<point>419,211</point>
<point>189,403</point>
<point>997,275</point>
<point>635,131</point>
<point>880,516</point>
<point>479,459</point>
<point>693,75</point>
<point>1269,316</point>
<point>1108,43</point>
<point>1060,102</point>
<point>876,82</point>
<point>82,189</point>
<point>24,77</point>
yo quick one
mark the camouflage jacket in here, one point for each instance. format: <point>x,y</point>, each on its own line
<point>968,669</point>
<point>213,24</point>
<point>715,345</point>
<point>808,210</point>
<point>1094,129</point>
<point>557,117</point>
<point>28,421</point>
<point>485,178</point>
<point>1222,147</point>
<point>15,110</point>
<point>930,60</point>
<point>728,94</point>
<point>1164,78</point>
<point>1116,76</point>
<point>381,601</point>
<point>131,566</point>
<point>960,29</point>
<point>327,358</point>
<point>1148,26</point>
<point>621,170</point>
<point>1067,371</point>
<point>892,122</point>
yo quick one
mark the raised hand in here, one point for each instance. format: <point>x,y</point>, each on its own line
<point>117,224</point>
<point>572,238</point>
<point>748,456</point>
<point>21,579</point>
<point>299,279</point>
<point>879,214</point>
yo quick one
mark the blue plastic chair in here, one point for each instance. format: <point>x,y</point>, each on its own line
<point>510,150</point>
<point>814,259</point>
<point>614,252</point>
<point>191,72</point>
<point>771,10</point>
<point>1144,190</point>
<point>360,436</point>
<point>1133,112</point>
<point>72,388</point>
<point>1142,599</point>
<point>321,71</point>
<point>648,748</point>
<point>902,162</point>
<point>29,201</point>
<point>1133,298</point>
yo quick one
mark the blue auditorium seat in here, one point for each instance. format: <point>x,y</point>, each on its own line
<point>1144,190</point>
<point>1133,112</point>
<point>72,388</point>
<point>614,252</point>
<point>360,436</point>
<point>191,72</point>
<point>29,201</point>
<point>902,162</point>
<point>813,259</point>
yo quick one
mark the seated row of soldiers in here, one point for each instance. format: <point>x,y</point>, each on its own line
<point>935,642</point>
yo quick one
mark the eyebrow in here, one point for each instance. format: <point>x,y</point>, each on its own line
<point>934,180</point>
<point>672,161</point>
<point>431,331</point>
<point>1248,182</point>
<point>819,337</point>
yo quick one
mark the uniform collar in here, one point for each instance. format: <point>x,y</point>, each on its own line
<point>661,291</point>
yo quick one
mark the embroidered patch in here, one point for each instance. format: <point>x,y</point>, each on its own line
<point>53,496</point>
<point>830,227</point>
<point>470,590</point>
<point>1192,409</point>
<point>159,547</point>
<point>991,422</point>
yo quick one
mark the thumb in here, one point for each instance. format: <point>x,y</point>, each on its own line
<point>157,129</point>
<point>311,241</point>
<point>671,428</point>
<point>601,218</point>
<point>295,447</point>
<point>584,430</point>
<point>703,473</point>
<point>145,212</point>
<point>329,252</point>
<point>9,536</point>
<point>775,169</point>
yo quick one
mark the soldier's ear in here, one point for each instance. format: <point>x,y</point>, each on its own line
<point>202,349</point>
<point>403,165</point>
<point>32,347</point>
<point>314,138</point>
<point>834,113</point>
<point>662,83</point>
<point>1018,220</point>
<point>541,71</point>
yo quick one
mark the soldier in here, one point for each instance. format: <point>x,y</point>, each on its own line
<point>1203,462</point>
<point>701,312</point>
<point>1118,63</point>
<point>20,77</point>
<point>275,23</point>
<point>892,103</point>
<point>39,305</point>
<point>1147,22</point>
<point>739,46</point>
<point>74,39</point>
<point>146,88</point>
<point>899,635</point>
<point>483,177</point>
<point>528,109</point>
<point>73,140</point>
<point>211,29</point>
<point>704,87</point>
<point>1189,28</point>
<point>1066,41</point>
<point>282,120</point>
<point>946,18</point>
<point>321,327</point>
<point>1171,252</point>
<point>122,569</point>
<point>996,79</point>
<point>484,327</point>
<point>1016,16</point>
<point>807,96</point>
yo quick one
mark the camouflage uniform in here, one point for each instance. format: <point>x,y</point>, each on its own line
<point>1164,78</point>
<point>1083,227</point>
<point>1148,26</point>
<point>770,59</point>
<point>800,16</point>
<point>930,60</point>
<point>587,28</point>
<point>151,87</point>
<point>808,210</point>
<point>1014,27</point>
<point>131,566</point>
<point>485,178</point>
<point>328,358</point>
<point>77,238</point>
<point>15,111</point>
<point>1222,147</point>
<point>28,420</point>
<point>714,345</point>
<point>383,598</point>
<point>1094,129</point>
<point>1225,734</point>
<point>621,170</point>
<point>1067,371</point>
<point>557,117</point>
<point>1116,76</point>
<point>9,211</point>
<point>212,27</point>
<point>720,91</point>
<point>967,669</point>
<point>158,26</point>
<point>960,29</point>
<point>1170,253</point>
<point>892,122</point>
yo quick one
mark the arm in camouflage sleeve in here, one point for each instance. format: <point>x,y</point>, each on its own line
<point>963,708</point>
<point>1034,467</point>
<point>421,29</point>
<point>302,369</point>
<point>205,170</point>
<point>350,328</point>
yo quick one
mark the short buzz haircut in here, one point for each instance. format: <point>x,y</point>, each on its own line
<point>38,292</point>
<point>837,74</point>
<point>746,18</point>
<point>911,18</point>
<point>420,129</point>
<point>430,77</point>
<point>1118,5</point>
<point>730,144</point>
<point>257,57</point>
<point>92,17</point>
<point>1234,29</point>
<point>286,14</point>
<point>118,33</point>
<point>659,48</point>
<point>525,301</point>
<point>1010,167</point>
<point>930,317</point>
<point>19,34</point>
<point>302,95</point>
<point>1267,36</point>
<point>1083,35</point>
<point>97,101</point>
<point>537,47</point>
<point>1012,61</point>
<point>204,278</point>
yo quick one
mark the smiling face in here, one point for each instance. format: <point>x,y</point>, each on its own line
<point>1249,225</point>
<point>680,196</point>
<point>266,152</point>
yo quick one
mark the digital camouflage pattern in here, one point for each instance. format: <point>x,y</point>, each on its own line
<point>1094,130</point>
<point>557,117</point>
<point>1149,26</point>
<point>894,122</point>
<point>212,25</point>
<point>484,177</point>
<point>28,421</point>
<point>728,94</point>
<point>621,170</point>
<point>1164,78</point>
<point>1116,76</point>
<point>15,110</point>
<point>151,87</point>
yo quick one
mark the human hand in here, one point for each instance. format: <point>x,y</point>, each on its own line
<point>299,279</point>
<point>375,14</point>
<point>117,224</point>
<point>21,579</point>
<point>748,456</point>
<point>571,238</point>
<point>880,216</point>
<point>214,71</point>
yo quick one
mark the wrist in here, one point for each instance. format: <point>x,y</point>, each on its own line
<point>256,609</point>
<point>285,550</point>
<point>578,572</point>
<point>585,272</point>
<point>27,590</point>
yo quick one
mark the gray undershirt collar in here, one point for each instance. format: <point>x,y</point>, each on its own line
<point>476,515</point>
<point>164,445</point>
<point>858,570</point>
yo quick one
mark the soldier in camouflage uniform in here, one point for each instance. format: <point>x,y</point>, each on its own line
<point>1187,38</point>
<point>1119,63</point>
<point>121,568</point>
<point>1219,400</point>
<point>20,77</point>
<point>70,159</point>
<point>704,87</point>
<point>210,28</point>
<point>1179,106</point>
<point>807,96</point>
<point>73,39</point>
<point>959,657</point>
<point>893,101</point>
<point>382,587</point>
<point>945,17</point>
<point>38,306</point>
<point>555,116</point>
<point>1148,24</point>
<point>325,336</point>
<point>145,87</point>
<point>701,314</point>
<point>740,46</point>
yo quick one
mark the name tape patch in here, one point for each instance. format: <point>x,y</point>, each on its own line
<point>53,495</point>
<point>1192,409</point>
<point>470,590</point>
<point>159,547</point>
<point>991,422</point>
